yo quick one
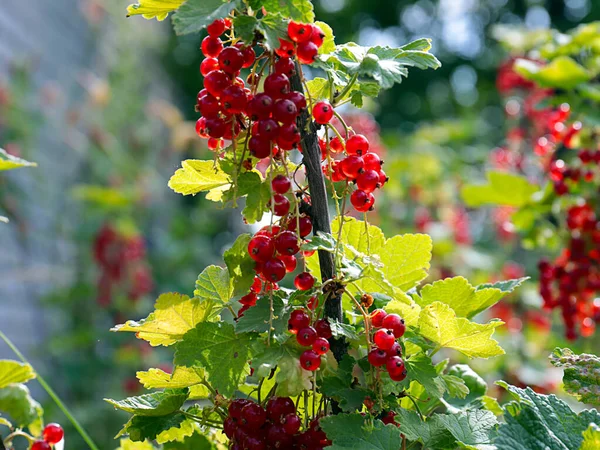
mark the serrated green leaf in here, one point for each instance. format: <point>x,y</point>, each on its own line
<point>504,189</point>
<point>216,348</point>
<point>154,404</point>
<point>420,368</point>
<point>181,377</point>
<point>273,27</point>
<point>178,433</point>
<point>582,374</point>
<point>406,259</point>
<point>422,44</point>
<point>9,162</point>
<point>194,15</point>
<point>476,385</point>
<point>491,404</point>
<point>328,42</point>
<point>354,234</point>
<point>240,265</point>
<point>256,203</point>
<point>291,378</point>
<point>298,10</point>
<point>356,99</point>
<point>408,310</point>
<point>154,9</point>
<point>173,316</point>
<point>456,387</point>
<point>12,372</point>
<point>476,427</point>
<point>128,444</point>
<point>350,431</point>
<point>319,88</point>
<point>213,290</point>
<point>256,318</point>
<point>244,27</point>
<point>343,330</point>
<point>591,438</point>
<point>540,422</point>
<point>195,442</point>
<point>141,428</point>
<point>197,176</point>
<point>431,433</point>
<point>322,241</point>
<point>16,401</point>
<point>338,386</point>
<point>562,72</point>
<point>439,324</point>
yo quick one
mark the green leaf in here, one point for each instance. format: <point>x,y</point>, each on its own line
<point>406,259</point>
<point>16,401</point>
<point>408,310</point>
<point>174,315</point>
<point>343,330</point>
<point>354,234</point>
<point>539,422</point>
<point>582,374</point>
<point>240,265</point>
<point>491,404</point>
<point>140,428</point>
<point>356,99</point>
<point>181,377</point>
<point>102,196</point>
<point>177,433</point>
<point>256,318</point>
<point>195,442</point>
<point>319,88</point>
<point>477,427</point>
<point>466,300</point>
<point>328,42</point>
<point>350,431</point>
<point>9,162</point>
<point>12,372</point>
<point>298,10</point>
<point>216,348</point>
<point>196,175</point>
<point>432,433</point>
<point>562,72</point>
<point>292,379</point>
<point>439,324</point>
<point>422,44</point>
<point>194,15</point>
<point>273,27</point>
<point>128,444</point>
<point>420,368</point>
<point>258,200</point>
<point>154,9</point>
<point>244,27</point>
<point>339,386</point>
<point>476,385</point>
<point>154,404</point>
<point>213,290</point>
<point>591,438</point>
<point>505,189</point>
<point>456,387</point>
<point>322,241</point>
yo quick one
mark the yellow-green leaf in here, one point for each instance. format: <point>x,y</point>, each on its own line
<point>328,42</point>
<point>14,372</point>
<point>409,311</point>
<point>365,238</point>
<point>101,195</point>
<point>504,189</point>
<point>127,444</point>
<point>177,433</point>
<point>173,316</point>
<point>197,176</point>
<point>319,88</point>
<point>591,438</point>
<point>406,259</point>
<point>8,161</point>
<point>180,378</point>
<point>562,72</point>
<point>154,9</point>
<point>439,324</point>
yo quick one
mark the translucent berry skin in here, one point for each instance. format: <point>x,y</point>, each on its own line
<point>336,145</point>
<point>395,367</point>
<point>377,357</point>
<point>299,32</point>
<point>317,37</point>
<point>234,100</point>
<point>274,270</point>
<point>217,28</point>
<point>249,299</point>
<point>287,243</point>
<point>290,262</point>
<point>231,60</point>
<point>40,445</point>
<point>277,85</point>
<point>396,350</point>
<point>357,145</point>
<point>208,65</point>
<point>216,82</point>
<point>323,112</point>
<point>286,49</point>
<point>229,426</point>
<point>372,162</point>
<point>281,184</point>
<point>323,328</point>
<point>304,281</point>
<point>201,128</point>
<point>53,433</point>
<point>298,99</point>
<point>307,52</point>
<point>215,127</point>
<point>269,129</point>
<point>285,66</point>
<point>235,408</point>
<point>249,56</point>
<point>259,147</point>
<point>260,107</point>
<point>320,346</point>
<point>351,166</point>
<point>310,360</point>
<point>298,320</point>
<point>261,248</point>
<point>291,423</point>
<point>384,339</point>
<point>361,200</point>
<point>211,46</point>
<point>306,336</point>
<point>285,111</point>
<point>279,407</point>
<point>253,416</point>
<point>395,323</point>
<point>281,206</point>
<point>367,181</point>
<point>305,225</point>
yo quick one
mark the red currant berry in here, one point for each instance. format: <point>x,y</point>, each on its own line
<point>384,339</point>
<point>298,320</point>
<point>217,28</point>
<point>367,181</point>
<point>372,162</point>
<point>285,111</point>
<point>254,443</point>
<point>313,303</point>
<point>320,346</point>
<point>274,270</point>
<point>287,243</point>
<point>382,178</point>
<point>317,37</point>
<point>285,66</point>
<point>209,106</point>
<point>289,136</point>
<point>234,100</point>
<point>291,423</point>
<point>201,128</point>
<point>298,99</point>
<point>260,107</point>
<point>396,350</point>
<point>214,144</point>
<point>286,49</point>
<point>259,147</point>
<point>216,82</point>
<point>279,407</point>
<point>229,426</point>
<point>362,201</point>
<point>304,281</point>
<point>395,368</point>
<point>277,85</point>
<point>390,419</point>
<point>357,145</point>
<point>377,357</point>
<point>281,206</point>
<point>281,184</point>
<point>310,360</point>
<point>323,329</point>
<point>53,433</point>
<point>235,408</point>
<point>231,60</point>
<point>305,225</point>
<point>216,127</point>
<point>208,65</point>
<point>249,299</point>
<point>299,32</point>
<point>336,145</point>
<point>211,46</point>
<point>278,438</point>
<point>289,261</point>
<point>323,112</point>
<point>306,336</point>
<point>40,445</point>
<point>261,248</point>
<point>269,129</point>
<point>351,166</point>
<point>253,416</point>
<point>248,54</point>
<point>307,52</point>
<point>395,323</point>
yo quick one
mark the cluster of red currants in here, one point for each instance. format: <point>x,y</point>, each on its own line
<point>122,264</point>
<point>228,105</point>
<point>316,337</point>
<point>52,434</point>
<point>249,426</point>
<point>387,351</point>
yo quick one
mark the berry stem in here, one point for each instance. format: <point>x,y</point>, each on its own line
<point>344,91</point>
<point>52,394</point>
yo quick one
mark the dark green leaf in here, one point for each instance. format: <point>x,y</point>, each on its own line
<point>476,427</point>
<point>194,15</point>
<point>356,99</point>
<point>273,27</point>
<point>476,385</point>
<point>432,433</point>
<point>16,401</point>
<point>350,432</point>
<point>582,374</point>
<point>339,386</point>
<point>140,428</point>
<point>195,442</point>
<point>244,27</point>
<point>345,330</point>
<point>256,318</point>
<point>155,404</point>
<point>240,265</point>
<point>420,368</point>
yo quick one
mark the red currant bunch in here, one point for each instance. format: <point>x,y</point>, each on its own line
<point>316,337</point>
<point>387,351</point>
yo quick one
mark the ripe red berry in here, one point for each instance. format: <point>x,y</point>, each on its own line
<point>323,112</point>
<point>201,128</point>
<point>320,346</point>
<point>306,336</point>
<point>248,54</point>
<point>253,416</point>
<point>236,406</point>
<point>304,281</point>
<point>40,445</point>
<point>307,52</point>
<point>273,270</point>
<point>299,32</point>
<point>254,443</point>
<point>291,423</point>
<point>260,107</point>
<point>229,426</point>
<point>395,368</point>
<point>357,145</point>
<point>361,200</point>
<point>281,206</point>
<point>216,82</point>
<point>285,66</point>
<point>372,162</point>
<point>310,360</point>
<point>395,323</point>
<point>323,328</point>
<point>286,49</point>
<point>277,85</point>
<point>396,350</point>
<point>298,320</point>
<point>352,166</point>
<point>289,261</point>
<point>336,145</point>
<point>317,37</point>
<point>281,184</point>
<point>384,339</point>
<point>367,181</point>
<point>234,100</point>
<point>377,357</point>
<point>285,111</point>
<point>53,433</point>
<point>298,99</point>
<point>279,407</point>
<point>231,60</point>
<point>217,28</point>
<point>208,65</point>
<point>215,127</point>
<point>289,136</point>
<point>249,299</point>
<point>211,46</point>
<point>287,243</point>
<point>209,106</point>
<point>269,129</point>
<point>261,248</point>
<point>382,178</point>
<point>278,438</point>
